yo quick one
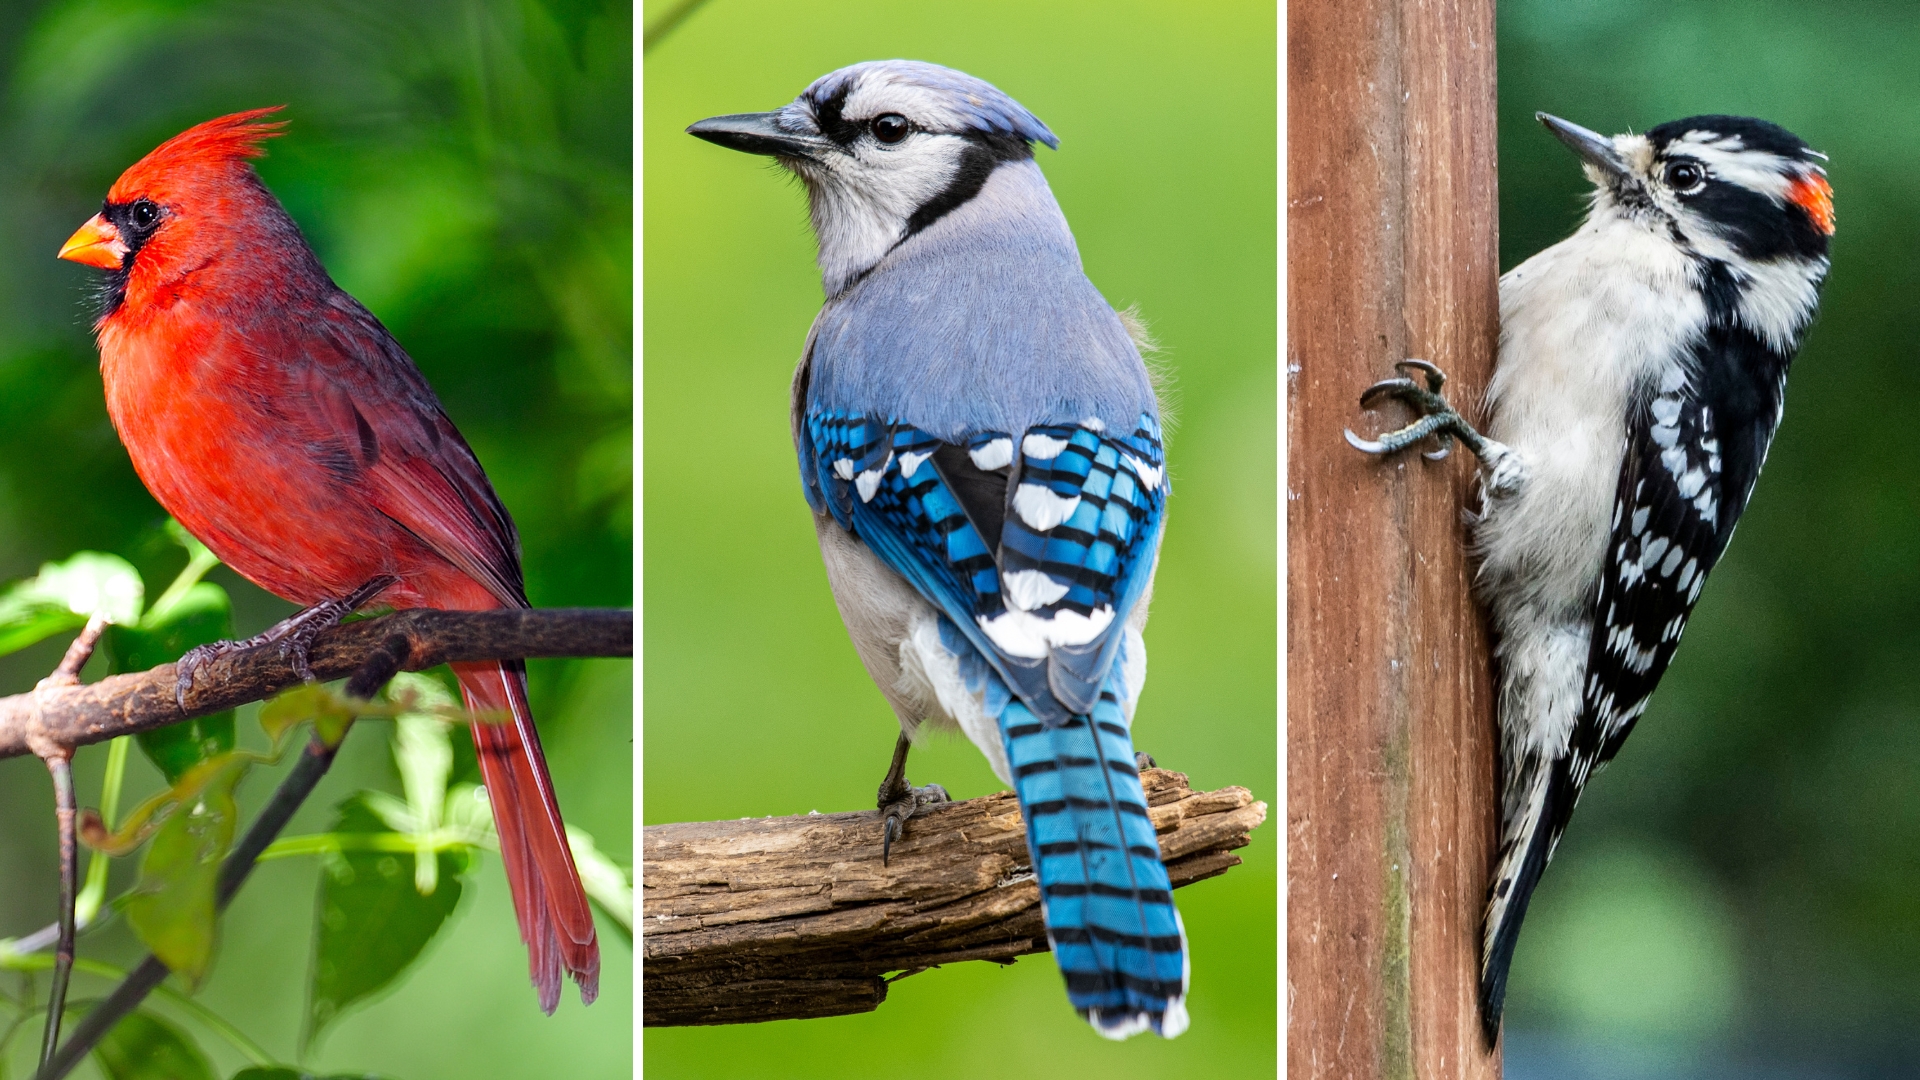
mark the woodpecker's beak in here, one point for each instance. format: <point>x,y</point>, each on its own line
<point>758,133</point>
<point>97,243</point>
<point>1594,148</point>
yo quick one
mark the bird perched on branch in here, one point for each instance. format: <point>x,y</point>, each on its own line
<point>1641,376</point>
<point>277,419</point>
<point>980,443</point>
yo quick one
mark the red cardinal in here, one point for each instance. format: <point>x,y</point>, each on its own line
<point>279,421</point>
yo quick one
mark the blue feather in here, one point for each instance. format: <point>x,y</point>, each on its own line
<point>1062,714</point>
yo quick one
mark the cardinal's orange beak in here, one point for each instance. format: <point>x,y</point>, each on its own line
<point>97,243</point>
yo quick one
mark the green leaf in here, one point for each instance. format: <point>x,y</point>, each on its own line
<point>424,755</point>
<point>64,595</point>
<point>371,922</point>
<point>608,884</point>
<point>144,1047</point>
<point>201,614</point>
<point>332,713</point>
<point>172,907</point>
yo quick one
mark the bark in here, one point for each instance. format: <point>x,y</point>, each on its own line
<point>71,716</point>
<point>795,917</point>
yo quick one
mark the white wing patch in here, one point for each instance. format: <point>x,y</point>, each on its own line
<point>1040,508</point>
<point>996,454</point>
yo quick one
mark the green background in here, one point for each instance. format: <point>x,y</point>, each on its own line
<point>1739,894</point>
<point>754,700</point>
<point>465,168</point>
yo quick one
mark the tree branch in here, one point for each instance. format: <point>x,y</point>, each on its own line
<point>390,656</point>
<point>795,917</point>
<point>126,704</point>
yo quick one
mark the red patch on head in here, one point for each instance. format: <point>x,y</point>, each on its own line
<point>214,143</point>
<point>1810,192</point>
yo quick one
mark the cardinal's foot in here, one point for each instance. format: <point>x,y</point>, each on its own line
<point>295,635</point>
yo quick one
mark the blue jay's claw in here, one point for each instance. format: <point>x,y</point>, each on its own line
<point>1144,760</point>
<point>899,799</point>
<point>1438,418</point>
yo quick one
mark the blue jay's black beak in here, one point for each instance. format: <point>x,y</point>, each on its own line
<point>1594,148</point>
<point>757,133</point>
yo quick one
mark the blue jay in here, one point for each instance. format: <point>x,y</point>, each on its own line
<point>980,444</point>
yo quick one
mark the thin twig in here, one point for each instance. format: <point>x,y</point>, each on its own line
<point>388,659</point>
<point>67,812</point>
<point>667,24</point>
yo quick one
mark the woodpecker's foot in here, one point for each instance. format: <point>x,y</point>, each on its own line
<point>1438,418</point>
<point>899,799</point>
<point>294,634</point>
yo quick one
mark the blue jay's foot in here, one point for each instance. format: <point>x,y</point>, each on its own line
<point>295,634</point>
<point>899,798</point>
<point>1502,471</point>
<point>1144,760</point>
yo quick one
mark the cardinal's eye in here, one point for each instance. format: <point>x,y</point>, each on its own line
<point>1686,176</point>
<point>890,127</point>
<point>143,214</point>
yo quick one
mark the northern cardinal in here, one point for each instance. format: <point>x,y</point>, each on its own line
<point>277,419</point>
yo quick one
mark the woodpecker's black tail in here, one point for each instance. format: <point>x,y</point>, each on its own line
<point>1526,845</point>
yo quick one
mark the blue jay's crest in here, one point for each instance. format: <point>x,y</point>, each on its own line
<point>937,98</point>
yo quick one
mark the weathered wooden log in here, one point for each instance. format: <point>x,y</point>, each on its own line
<point>795,917</point>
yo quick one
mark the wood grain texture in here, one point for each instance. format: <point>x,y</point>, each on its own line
<point>794,917</point>
<point>1391,253</point>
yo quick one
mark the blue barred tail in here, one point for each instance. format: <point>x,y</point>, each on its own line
<point>1107,902</point>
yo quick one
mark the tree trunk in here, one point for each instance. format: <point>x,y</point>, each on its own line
<point>1391,254</point>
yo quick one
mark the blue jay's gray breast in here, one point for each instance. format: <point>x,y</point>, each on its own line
<point>985,321</point>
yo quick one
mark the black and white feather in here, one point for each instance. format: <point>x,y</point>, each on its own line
<point>1640,381</point>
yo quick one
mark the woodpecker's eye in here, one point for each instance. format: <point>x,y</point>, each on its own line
<point>890,127</point>
<point>1686,176</point>
<point>143,214</point>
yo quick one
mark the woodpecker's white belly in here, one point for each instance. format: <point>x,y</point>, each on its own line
<point>1583,324</point>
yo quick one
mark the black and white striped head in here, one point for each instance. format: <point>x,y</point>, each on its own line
<point>1728,187</point>
<point>886,148</point>
<point>1742,195</point>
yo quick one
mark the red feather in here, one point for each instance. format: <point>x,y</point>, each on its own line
<point>279,421</point>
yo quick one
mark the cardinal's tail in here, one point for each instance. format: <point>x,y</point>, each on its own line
<point>555,921</point>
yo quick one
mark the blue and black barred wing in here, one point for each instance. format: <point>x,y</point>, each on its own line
<point>1040,577</point>
<point>1036,549</point>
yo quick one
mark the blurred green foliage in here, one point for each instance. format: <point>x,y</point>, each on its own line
<point>756,703</point>
<point>465,168</point>
<point>1747,873</point>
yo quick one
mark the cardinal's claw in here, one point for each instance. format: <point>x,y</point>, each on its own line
<point>295,634</point>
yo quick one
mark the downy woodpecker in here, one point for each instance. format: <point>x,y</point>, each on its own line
<point>1641,376</point>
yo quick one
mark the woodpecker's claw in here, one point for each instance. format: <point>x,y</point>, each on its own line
<point>1438,419</point>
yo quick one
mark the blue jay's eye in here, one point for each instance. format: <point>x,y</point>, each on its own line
<point>890,127</point>
<point>1685,176</point>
